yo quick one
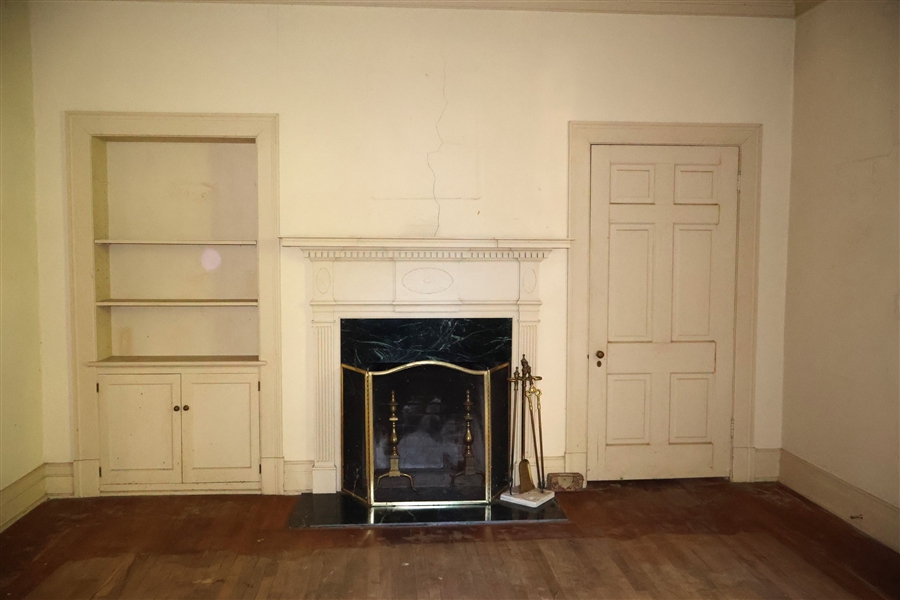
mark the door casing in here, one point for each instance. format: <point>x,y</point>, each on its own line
<point>747,138</point>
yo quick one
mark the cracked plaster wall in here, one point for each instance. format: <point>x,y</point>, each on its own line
<point>391,117</point>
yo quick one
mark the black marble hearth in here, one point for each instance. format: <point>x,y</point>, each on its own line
<point>339,510</point>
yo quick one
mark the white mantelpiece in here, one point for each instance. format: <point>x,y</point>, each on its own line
<point>411,277</point>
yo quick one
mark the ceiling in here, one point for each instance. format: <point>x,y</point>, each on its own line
<point>739,8</point>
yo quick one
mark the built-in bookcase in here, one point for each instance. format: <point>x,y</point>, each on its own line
<point>175,226</point>
<point>175,292</point>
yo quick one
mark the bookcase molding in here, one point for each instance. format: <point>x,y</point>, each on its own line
<point>151,259</point>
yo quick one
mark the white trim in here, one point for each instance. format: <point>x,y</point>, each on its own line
<point>22,495</point>
<point>784,9</point>
<point>874,516</point>
<point>582,135</point>
<point>354,243</point>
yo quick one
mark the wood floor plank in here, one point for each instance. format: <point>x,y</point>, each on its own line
<point>657,539</point>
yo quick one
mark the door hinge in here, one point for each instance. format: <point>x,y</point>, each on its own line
<point>732,428</point>
<point>100,469</point>
<point>739,181</point>
<point>98,388</point>
<point>260,468</point>
<point>258,386</point>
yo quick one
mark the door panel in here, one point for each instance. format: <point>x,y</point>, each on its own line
<point>140,430</point>
<point>628,409</point>
<point>663,241</point>
<point>630,282</point>
<point>692,282</point>
<point>221,427</point>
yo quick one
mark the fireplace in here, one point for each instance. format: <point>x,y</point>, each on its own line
<point>363,279</point>
<point>424,417</point>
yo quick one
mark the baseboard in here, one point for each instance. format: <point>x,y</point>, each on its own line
<point>555,464</point>
<point>754,464</point>
<point>59,480</point>
<point>297,476</point>
<point>22,495</point>
<point>766,464</point>
<point>872,515</point>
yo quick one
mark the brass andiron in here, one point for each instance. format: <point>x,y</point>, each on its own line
<point>469,456</point>
<point>394,471</point>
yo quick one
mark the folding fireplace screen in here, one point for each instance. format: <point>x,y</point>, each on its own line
<point>431,432</point>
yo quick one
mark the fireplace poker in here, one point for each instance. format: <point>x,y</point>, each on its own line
<point>512,425</point>
<point>526,483</point>
<point>542,470</point>
<point>537,465</point>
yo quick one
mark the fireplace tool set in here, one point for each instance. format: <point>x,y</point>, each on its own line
<point>525,393</point>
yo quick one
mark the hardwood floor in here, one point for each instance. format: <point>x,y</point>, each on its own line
<point>671,539</point>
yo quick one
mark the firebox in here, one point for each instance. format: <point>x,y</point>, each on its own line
<point>432,428</point>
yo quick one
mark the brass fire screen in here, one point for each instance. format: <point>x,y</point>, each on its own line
<point>425,434</point>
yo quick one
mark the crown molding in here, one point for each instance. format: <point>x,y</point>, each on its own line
<point>785,9</point>
<point>424,248</point>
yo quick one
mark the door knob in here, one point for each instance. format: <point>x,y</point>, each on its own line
<point>600,354</point>
<point>177,408</point>
<point>187,408</point>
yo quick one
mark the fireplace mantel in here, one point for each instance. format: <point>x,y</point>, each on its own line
<point>412,277</point>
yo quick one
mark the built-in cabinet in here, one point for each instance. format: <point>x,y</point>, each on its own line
<point>192,427</point>
<point>175,262</point>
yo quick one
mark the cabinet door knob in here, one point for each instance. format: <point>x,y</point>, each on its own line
<point>600,354</point>
<point>186,408</point>
<point>177,408</point>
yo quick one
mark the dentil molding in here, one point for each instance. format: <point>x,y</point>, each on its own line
<point>351,248</point>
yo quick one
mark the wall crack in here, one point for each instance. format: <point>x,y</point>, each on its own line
<point>437,128</point>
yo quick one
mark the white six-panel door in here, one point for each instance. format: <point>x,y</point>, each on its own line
<point>663,241</point>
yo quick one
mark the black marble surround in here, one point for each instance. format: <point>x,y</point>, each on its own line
<point>377,344</point>
<point>431,411</point>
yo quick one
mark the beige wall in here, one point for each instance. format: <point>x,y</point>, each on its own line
<point>841,386</point>
<point>391,117</point>
<point>21,437</point>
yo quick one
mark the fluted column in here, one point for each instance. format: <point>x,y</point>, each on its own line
<point>529,317</point>
<point>326,372</point>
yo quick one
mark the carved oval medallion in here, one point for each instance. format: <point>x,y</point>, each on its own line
<point>427,280</point>
<point>323,281</point>
<point>529,281</point>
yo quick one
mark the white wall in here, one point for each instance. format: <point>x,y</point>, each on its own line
<point>21,438</point>
<point>842,381</point>
<point>390,117</point>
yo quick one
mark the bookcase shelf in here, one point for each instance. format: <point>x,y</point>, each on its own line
<point>174,231</point>
<point>171,361</point>
<point>175,242</point>
<point>179,302</point>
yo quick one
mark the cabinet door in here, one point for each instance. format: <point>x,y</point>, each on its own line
<point>220,428</point>
<point>140,428</point>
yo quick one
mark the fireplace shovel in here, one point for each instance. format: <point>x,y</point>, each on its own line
<point>526,484</point>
